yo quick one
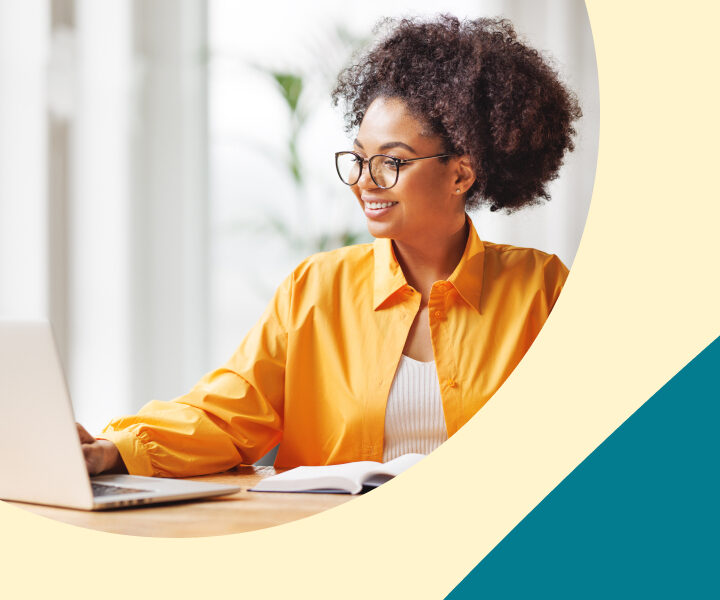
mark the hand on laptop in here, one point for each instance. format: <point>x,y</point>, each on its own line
<point>101,456</point>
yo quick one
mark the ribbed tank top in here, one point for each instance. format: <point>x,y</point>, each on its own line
<point>414,418</point>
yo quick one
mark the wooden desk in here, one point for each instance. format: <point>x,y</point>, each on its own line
<point>243,511</point>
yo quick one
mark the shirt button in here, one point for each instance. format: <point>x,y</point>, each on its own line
<point>451,383</point>
<point>438,314</point>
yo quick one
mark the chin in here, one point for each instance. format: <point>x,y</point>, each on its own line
<point>380,230</point>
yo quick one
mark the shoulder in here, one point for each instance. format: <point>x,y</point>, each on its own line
<point>524,268</point>
<point>342,263</point>
<point>525,260</point>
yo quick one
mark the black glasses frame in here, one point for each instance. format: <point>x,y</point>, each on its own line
<point>398,163</point>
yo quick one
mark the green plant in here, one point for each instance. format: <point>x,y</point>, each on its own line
<point>303,90</point>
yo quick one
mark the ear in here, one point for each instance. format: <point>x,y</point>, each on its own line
<point>464,174</point>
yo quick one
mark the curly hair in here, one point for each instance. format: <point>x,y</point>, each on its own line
<point>479,88</point>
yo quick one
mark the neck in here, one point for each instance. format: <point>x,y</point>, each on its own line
<point>432,258</point>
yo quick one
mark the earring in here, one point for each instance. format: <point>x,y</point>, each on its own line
<point>457,191</point>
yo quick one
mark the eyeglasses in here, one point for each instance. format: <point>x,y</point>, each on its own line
<point>384,169</point>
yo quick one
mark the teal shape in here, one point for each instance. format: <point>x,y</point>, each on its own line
<point>637,519</point>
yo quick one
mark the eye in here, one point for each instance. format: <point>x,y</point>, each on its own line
<point>391,162</point>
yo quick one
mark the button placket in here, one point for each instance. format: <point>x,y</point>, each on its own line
<point>437,302</point>
<point>442,303</point>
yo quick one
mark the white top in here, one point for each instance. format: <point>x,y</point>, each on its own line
<point>414,418</point>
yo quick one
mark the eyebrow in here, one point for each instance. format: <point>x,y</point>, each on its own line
<point>388,145</point>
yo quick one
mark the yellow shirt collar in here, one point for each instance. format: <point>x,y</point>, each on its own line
<point>466,278</point>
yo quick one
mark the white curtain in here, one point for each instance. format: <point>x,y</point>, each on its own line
<point>23,157</point>
<point>103,199</point>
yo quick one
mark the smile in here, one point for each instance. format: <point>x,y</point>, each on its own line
<point>379,205</point>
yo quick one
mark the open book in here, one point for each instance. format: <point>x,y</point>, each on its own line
<point>348,478</point>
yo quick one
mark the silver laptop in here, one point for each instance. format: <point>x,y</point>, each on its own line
<point>41,459</point>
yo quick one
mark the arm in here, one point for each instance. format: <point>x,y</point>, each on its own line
<point>556,273</point>
<point>233,415</point>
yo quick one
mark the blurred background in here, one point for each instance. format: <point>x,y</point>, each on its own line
<point>164,164</point>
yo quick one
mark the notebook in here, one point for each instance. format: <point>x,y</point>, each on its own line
<point>41,458</point>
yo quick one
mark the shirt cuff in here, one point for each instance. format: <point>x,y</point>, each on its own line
<point>132,451</point>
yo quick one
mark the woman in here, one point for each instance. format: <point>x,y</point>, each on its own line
<point>374,350</point>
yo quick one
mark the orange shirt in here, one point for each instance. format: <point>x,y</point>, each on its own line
<point>315,372</point>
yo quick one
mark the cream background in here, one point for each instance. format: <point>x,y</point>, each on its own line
<point>641,301</point>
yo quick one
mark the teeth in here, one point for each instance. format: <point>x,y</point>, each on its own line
<point>376,205</point>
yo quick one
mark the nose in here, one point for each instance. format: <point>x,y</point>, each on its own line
<point>365,181</point>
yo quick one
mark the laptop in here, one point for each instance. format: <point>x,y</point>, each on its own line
<point>41,458</point>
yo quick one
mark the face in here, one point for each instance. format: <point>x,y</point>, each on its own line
<point>424,201</point>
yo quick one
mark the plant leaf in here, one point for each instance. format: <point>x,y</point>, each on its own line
<point>291,87</point>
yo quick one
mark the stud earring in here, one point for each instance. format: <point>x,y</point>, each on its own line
<point>457,191</point>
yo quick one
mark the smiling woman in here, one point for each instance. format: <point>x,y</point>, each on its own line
<point>375,350</point>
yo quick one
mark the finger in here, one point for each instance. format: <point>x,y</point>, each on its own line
<point>85,437</point>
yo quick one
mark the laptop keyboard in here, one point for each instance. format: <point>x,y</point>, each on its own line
<point>103,489</point>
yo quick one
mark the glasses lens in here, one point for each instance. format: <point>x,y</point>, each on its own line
<point>348,167</point>
<point>384,170</point>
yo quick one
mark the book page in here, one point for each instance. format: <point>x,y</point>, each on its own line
<point>352,471</point>
<point>391,469</point>
<point>347,477</point>
<point>398,465</point>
